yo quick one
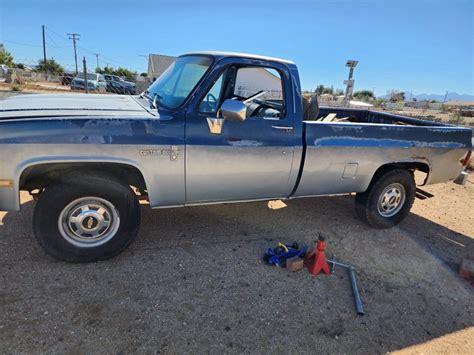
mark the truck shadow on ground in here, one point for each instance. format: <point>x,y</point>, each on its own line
<point>194,280</point>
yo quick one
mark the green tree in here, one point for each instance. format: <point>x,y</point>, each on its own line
<point>396,96</point>
<point>51,66</point>
<point>364,95</point>
<point>378,102</point>
<point>5,57</point>
<point>329,91</point>
<point>143,74</point>
<point>319,89</point>
<point>130,75</point>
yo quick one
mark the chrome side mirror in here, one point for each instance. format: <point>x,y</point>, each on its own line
<point>233,110</point>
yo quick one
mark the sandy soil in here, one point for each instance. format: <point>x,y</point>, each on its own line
<point>194,282</point>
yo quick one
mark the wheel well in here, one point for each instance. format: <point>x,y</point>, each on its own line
<point>412,166</point>
<point>37,177</point>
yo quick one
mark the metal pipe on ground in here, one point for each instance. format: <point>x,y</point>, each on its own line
<point>355,291</point>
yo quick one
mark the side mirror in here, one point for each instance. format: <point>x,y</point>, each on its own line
<point>233,110</point>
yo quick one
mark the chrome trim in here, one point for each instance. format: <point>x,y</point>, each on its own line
<point>283,128</point>
<point>233,110</point>
<point>255,96</point>
<point>391,200</point>
<point>174,153</point>
<point>88,222</point>
<point>215,125</point>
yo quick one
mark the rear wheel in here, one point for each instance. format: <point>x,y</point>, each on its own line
<point>92,219</point>
<point>388,199</point>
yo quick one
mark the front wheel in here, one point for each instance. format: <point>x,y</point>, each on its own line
<point>87,219</point>
<point>388,199</point>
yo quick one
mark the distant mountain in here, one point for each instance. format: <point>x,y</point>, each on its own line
<point>452,96</point>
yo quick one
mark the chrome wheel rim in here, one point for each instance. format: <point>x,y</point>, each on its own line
<point>88,222</point>
<point>391,200</point>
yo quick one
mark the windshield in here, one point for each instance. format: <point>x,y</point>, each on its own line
<point>90,76</point>
<point>177,82</point>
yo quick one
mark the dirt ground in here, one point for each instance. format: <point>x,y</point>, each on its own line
<point>194,282</point>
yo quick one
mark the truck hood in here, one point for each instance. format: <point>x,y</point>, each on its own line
<point>54,105</point>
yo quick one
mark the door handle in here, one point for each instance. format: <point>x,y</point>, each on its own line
<point>283,128</point>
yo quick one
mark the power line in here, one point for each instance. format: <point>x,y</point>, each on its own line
<point>56,45</point>
<point>92,52</point>
<point>21,44</point>
<point>57,34</point>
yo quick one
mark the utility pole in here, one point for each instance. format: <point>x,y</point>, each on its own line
<point>44,51</point>
<point>85,74</point>
<point>445,97</point>
<point>97,57</point>
<point>74,37</point>
<point>351,64</point>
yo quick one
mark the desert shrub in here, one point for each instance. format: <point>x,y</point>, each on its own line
<point>17,87</point>
<point>18,80</point>
<point>454,118</point>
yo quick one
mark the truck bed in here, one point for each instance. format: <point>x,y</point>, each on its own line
<point>343,114</point>
<point>344,147</point>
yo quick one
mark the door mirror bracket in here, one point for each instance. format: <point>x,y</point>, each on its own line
<point>231,110</point>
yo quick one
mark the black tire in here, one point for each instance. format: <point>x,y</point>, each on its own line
<point>367,203</point>
<point>57,196</point>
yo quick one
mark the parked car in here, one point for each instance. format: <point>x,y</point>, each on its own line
<point>214,128</point>
<point>66,78</point>
<point>95,82</point>
<point>118,85</point>
<point>4,70</point>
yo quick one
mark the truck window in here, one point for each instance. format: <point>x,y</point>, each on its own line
<point>211,100</point>
<point>176,83</point>
<point>252,80</point>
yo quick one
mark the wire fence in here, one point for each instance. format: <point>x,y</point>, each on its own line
<point>34,77</point>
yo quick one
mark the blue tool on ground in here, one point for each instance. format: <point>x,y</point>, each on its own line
<point>279,255</point>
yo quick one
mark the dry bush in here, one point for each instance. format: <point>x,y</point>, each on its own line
<point>17,87</point>
<point>18,80</point>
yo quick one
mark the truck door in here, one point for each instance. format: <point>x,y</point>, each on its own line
<point>244,160</point>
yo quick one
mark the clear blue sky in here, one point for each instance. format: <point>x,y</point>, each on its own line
<point>419,45</point>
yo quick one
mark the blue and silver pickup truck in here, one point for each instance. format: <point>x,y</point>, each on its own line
<point>214,128</point>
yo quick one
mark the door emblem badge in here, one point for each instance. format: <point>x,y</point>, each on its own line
<point>172,152</point>
<point>215,125</point>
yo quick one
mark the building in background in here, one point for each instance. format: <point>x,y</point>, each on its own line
<point>251,80</point>
<point>157,64</point>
